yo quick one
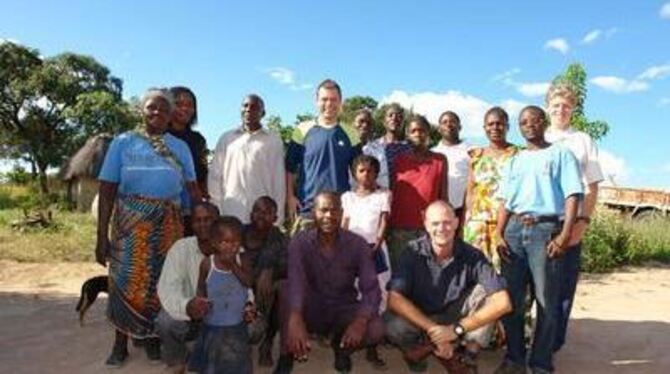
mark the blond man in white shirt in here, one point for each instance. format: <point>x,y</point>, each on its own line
<point>561,100</point>
<point>248,163</point>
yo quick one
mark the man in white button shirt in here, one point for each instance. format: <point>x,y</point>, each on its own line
<point>456,152</point>
<point>561,100</point>
<point>248,163</point>
<point>177,288</point>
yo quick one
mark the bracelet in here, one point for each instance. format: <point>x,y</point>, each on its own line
<point>586,219</point>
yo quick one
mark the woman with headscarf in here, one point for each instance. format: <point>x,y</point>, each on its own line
<point>141,180</point>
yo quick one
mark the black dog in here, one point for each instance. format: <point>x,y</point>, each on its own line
<point>89,292</point>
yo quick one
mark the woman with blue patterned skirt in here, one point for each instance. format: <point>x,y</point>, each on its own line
<point>144,172</point>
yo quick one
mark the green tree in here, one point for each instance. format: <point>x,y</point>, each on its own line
<point>353,104</point>
<point>274,123</point>
<point>575,76</point>
<point>50,106</point>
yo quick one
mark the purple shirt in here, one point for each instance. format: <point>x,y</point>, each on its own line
<point>330,280</point>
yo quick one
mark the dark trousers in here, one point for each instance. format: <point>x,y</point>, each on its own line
<point>174,335</point>
<point>568,287</point>
<point>328,319</point>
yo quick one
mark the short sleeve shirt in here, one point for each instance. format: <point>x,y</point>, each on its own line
<point>364,212</point>
<point>133,163</point>
<point>584,149</point>
<point>321,156</point>
<point>458,159</point>
<point>433,286</point>
<point>538,182</point>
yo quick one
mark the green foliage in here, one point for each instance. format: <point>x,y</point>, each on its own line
<point>18,175</point>
<point>50,106</point>
<point>274,123</point>
<point>575,76</point>
<point>613,241</point>
<point>352,104</point>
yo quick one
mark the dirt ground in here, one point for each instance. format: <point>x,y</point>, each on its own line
<point>621,324</point>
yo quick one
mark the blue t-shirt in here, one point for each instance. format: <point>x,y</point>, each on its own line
<point>321,157</point>
<point>538,182</point>
<point>132,163</point>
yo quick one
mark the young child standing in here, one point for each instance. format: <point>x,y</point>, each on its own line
<point>366,210</point>
<point>225,279</point>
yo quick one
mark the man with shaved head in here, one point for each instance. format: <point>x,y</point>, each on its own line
<point>443,295</point>
<point>247,164</point>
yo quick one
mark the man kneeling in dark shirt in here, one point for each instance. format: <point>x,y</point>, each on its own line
<point>443,295</point>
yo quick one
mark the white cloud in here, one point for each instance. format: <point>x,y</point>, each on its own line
<point>559,44</point>
<point>665,11</point>
<point>611,31</point>
<point>287,77</point>
<point>664,101</point>
<point>655,72</point>
<point>619,85</point>
<point>528,89</point>
<point>533,89</point>
<point>470,109</point>
<point>506,75</point>
<point>591,36</point>
<point>614,168</point>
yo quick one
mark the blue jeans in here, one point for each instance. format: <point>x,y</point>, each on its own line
<point>568,286</point>
<point>529,263</point>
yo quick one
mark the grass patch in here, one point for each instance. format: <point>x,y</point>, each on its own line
<point>70,239</point>
<point>613,241</point>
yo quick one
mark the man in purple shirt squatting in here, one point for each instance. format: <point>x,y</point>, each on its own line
<point>443,294</point>
<point>323,265</point>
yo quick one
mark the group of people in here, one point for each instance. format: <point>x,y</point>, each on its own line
<point>387,238</point>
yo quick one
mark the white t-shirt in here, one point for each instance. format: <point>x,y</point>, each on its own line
<point>364,212</point>
<point>458,160</point>
<point>584,149</point>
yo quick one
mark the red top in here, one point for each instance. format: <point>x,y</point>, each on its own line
<point>417,182</point>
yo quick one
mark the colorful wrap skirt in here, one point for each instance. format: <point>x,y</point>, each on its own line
<point>143,230</point>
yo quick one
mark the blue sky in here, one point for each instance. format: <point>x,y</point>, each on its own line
<point>432,55</point>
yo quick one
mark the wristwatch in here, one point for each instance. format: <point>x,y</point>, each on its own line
<point>459,330</point>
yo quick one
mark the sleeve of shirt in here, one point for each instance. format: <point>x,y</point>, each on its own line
<point>570,176</point>
<point>170,285</point>
<point>592,170</point>
<point>201,162</point>
<point>186,160</point>
<point>368,284</point>
<point>402,276</point>
<point>296,274</point>
<point>215,175</point>
<point>111,166</point>
<point>503,185</point>
<point>386,201</point>
<point>346,205</point>
<point>278,177</point>
<point>294,156</point>
<point>487,276</point>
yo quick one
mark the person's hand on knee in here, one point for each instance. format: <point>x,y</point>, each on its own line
<point>353,335</point>
<point>297,342</point>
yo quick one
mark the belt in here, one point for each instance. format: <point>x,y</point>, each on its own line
<point>529,219</point>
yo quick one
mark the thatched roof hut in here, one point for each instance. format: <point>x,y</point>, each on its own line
<point>80,172</point>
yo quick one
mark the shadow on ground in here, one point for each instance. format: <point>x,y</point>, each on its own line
<point>41,333</point>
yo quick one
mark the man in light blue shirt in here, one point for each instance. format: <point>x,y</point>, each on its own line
<point>540,193</point>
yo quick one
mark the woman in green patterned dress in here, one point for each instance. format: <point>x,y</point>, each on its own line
<point>485,167</point>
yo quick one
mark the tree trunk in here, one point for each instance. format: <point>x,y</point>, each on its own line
<point>42,177</point>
